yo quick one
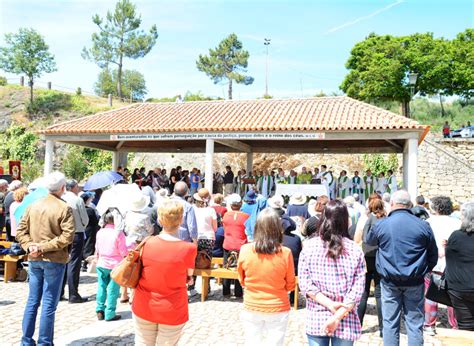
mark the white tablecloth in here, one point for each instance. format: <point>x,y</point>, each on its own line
<point>315,190</point>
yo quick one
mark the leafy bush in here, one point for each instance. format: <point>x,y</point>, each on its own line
<point>31,169</point>
<point>18,143</point>
<point>80,163</point>
<point>3,81</point>
<point>49,101</point>
<point>378,163</point>
<point>74,165</point>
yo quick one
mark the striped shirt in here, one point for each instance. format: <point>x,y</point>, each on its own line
<point>340,280</point>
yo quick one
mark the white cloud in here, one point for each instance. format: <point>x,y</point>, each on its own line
<point>360,19</point>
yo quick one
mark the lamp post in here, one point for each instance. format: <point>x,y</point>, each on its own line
<point>412,77</point>
<point>266,42</point>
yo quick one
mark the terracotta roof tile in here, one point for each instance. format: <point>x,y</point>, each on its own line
<point>312,114</point>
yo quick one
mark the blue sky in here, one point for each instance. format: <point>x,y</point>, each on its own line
<point>311,40</point>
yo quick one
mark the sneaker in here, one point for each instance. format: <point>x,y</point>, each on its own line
<point>100,315</point>
<point>431,331</point>
<point>192,293</point>
<point>78,300</point>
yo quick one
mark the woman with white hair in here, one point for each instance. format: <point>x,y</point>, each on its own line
<point>460,269</point>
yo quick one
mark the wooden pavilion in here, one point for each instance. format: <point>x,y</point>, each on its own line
<point>339,125</point>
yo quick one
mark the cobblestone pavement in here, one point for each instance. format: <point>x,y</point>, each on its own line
<point>214,322</point>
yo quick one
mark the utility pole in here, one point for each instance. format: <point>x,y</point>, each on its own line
<point>266,42</point>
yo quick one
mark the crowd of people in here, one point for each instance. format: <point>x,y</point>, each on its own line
<point>265,181</point>
<point>336,245</point>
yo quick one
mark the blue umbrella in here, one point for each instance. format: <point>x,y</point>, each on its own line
<point>37,194</point>
<point>102,179</point>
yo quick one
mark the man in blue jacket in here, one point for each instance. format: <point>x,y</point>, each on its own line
<point>406,252</point>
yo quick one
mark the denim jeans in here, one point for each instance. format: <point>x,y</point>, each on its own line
<point>314,340</point>
<point>411,299</point>
<point>45,287</point>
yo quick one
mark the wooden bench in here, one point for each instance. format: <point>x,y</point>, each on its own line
<point>10,262</point>
<point>223,273</point>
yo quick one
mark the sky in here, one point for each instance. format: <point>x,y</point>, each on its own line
<point>310,40</point>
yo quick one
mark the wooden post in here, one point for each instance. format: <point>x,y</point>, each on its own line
<point>115,160</point>
<point>209,161</point>
<point>110,100</point>
<point>49,85</point>
<point>22,81</point>
<point>249,162</point>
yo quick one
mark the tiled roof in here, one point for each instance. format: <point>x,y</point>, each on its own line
<point>312,114</point>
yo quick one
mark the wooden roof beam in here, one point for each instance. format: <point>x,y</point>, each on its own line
<point>240,146</point>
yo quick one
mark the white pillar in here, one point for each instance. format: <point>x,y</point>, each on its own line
<point>412,167</point>
<point>249,162</point>
<point>115,160</point>
<point>123,159</point>
<point>405,166</point>
<point>209,162</point>
<point>48,157</point>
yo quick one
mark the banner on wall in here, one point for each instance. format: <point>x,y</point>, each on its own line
<point>15,169</point>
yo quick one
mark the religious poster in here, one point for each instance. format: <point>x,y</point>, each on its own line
<point>15,169</point>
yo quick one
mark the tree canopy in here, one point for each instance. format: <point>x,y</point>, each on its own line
<point>379,67</point>
<point>133,84</point>
<point>228,61</point>
<point>26,52</point>
<point>119,37</point>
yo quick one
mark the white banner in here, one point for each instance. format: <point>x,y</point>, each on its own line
<point>315,190</point>
<point>206,135</point>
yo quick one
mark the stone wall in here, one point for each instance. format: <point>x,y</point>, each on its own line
<point>445,166</point>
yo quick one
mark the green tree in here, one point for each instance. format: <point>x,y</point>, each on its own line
<point>119,37</point>
<point>26,52</point>
<point>463,61</point>
<point>228,61</point>
<point>133,84</point>
<point>379,67</point>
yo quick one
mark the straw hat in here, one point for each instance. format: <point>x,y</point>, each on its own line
<point>139,202</point>
<point>297,199</point>
<point>276,202</point>
<point>203,195</point>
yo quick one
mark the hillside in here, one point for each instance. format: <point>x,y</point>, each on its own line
<point>50,106</point>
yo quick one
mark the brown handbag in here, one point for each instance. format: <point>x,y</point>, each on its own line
<point>203,260</point>
<point>128,271</point>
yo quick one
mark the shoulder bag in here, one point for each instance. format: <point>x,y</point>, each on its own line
<point>438,290</point>
<point>128,271</point>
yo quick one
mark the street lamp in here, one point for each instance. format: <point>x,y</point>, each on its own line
<point>412,77</point>
<point>266,42</point>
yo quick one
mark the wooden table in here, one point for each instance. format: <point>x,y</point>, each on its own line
<point>223,273</point>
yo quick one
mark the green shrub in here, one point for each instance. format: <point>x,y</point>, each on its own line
<point>49,101</point>
<point>378,163</point>
<point>80,163</point>
<point>3,81</point>
<point>31,169</point>
<point>18,143</point>
<point>74,165</point>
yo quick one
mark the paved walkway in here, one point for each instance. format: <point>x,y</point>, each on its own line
<point>214,322</point>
